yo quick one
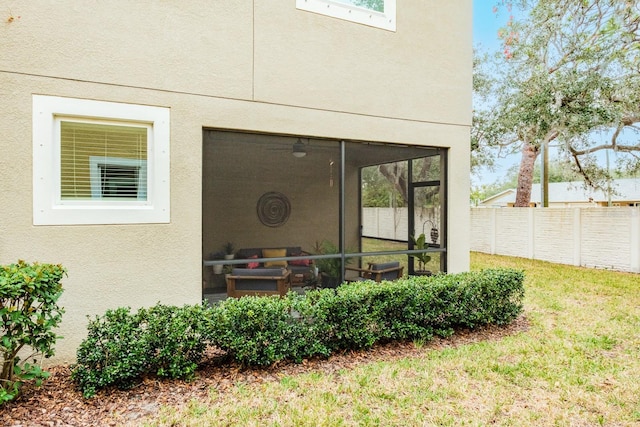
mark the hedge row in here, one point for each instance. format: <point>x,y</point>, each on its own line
<point>170,341</point>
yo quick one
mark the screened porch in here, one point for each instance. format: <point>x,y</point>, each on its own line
<point>263,191</point>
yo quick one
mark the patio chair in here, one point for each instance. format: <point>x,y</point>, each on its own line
<point>378,272</point>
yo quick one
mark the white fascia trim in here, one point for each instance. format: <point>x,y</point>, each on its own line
<point>47,209</point>
<point>386,20</point>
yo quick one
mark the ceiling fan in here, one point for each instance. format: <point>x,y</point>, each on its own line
<point>299,149</point>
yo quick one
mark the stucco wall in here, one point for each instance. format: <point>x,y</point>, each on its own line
<point>246,65</point>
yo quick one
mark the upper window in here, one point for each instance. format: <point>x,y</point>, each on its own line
<point>376,13</point>
<point>99,162</point>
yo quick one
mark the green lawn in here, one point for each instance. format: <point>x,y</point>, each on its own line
<point>578,364</point>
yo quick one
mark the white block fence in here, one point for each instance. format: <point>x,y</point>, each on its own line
<point>591,237</point>
<point>391,223</point>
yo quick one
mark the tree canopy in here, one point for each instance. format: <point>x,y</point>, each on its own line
<point>377,5</point>
<point>569,72</point>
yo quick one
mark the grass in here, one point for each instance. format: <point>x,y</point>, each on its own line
<point>578,364</point>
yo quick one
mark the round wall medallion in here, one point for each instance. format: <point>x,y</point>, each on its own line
<point>273,209</point>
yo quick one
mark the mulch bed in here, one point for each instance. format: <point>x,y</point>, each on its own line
<point>58,403</point>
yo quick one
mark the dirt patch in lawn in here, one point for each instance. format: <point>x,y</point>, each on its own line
<point>59,403</point>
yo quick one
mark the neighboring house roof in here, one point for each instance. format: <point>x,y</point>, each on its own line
<point>625,190</point>
<point>498,198</point>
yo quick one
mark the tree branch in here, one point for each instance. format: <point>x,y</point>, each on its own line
<point>581,171</point>
<point>624,148</point>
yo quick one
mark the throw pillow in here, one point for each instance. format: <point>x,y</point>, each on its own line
<point>253,264</point>
<point>303,262</point>
<point>274,253</point>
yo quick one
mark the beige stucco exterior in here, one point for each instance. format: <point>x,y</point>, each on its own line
<point>259,66</point>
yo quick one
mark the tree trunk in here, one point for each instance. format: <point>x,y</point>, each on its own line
<point>525,176</point>
<point>397,176</point>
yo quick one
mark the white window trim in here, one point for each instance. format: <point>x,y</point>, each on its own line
<point>386,20</point>
<point>48,208</point>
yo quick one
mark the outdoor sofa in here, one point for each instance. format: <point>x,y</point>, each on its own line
<point>300,270</point>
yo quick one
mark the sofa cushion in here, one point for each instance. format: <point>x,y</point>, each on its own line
<point>253,278</point>
<point>247,252</point>
<point>385,265</point>
<point>293,250</point>
<point>274,253</point>
<point>389,275</point>
<point>259,272</point>
<point>300,262</point>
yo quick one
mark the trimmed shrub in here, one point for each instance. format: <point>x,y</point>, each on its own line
<point>177,338</point>
<point>115,352</point>
<point>122,346</point>
<point>29,312</point>
<point>492,296</point>
<point>346,316</point>
<point>264,330</point>
<point>357,315</point>
<point>404,308</point>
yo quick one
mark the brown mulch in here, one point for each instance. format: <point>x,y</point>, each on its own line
<point>58,403</point>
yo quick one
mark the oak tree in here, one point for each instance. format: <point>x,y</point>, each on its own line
<point>569,72</point>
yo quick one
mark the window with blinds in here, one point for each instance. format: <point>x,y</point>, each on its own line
<point>102,161</point>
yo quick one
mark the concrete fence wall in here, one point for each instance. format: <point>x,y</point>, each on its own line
<point>391,223</point>
<point>591,237</point>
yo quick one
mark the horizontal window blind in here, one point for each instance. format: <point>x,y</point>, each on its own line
<point>102,161</point>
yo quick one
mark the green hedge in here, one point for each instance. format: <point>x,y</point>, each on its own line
<point>122,346</point>
<point>257,331</point>
<point>358,315</point>
<point>29,313</point>
<point>261,331</point>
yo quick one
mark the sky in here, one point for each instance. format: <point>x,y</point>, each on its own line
<point>486,24</point>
